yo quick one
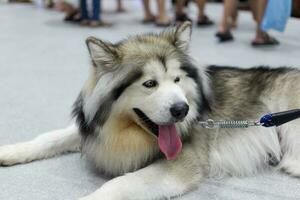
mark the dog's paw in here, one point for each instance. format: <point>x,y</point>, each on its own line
<point>290,166</point>
<point>14,154</point>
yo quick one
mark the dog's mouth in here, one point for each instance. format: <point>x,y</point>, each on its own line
<point>168,138</point>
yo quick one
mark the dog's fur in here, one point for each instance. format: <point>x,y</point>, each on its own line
<point>115,138</point>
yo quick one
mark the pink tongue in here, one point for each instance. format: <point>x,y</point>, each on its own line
<point>169,142</point>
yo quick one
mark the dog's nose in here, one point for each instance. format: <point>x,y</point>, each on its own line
<point>179,110</point>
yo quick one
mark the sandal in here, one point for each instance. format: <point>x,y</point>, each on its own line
<point>225,37</point>
<point>205,21</point>
<point>267,41</point>
<point>73,16</point>
<point>49,3</point>
<point>161,24</point>
<point>149,21</point>
<point>182,18</point>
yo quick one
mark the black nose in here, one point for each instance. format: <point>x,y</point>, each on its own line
<point>179,110</point>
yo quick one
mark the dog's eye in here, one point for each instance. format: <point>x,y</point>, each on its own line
<point>177,79</point>
<point>150,83</point>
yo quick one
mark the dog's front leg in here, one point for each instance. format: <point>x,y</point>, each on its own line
<point>160,180</point>
<point>44,146</point>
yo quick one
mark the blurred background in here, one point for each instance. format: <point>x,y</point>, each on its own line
<point>44,63</point>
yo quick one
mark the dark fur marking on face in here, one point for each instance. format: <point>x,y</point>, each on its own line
<point>116,93</point>
<point>162,59</point>
<point>192,72</point>
<point>78,113</point>
<point>102,114</point>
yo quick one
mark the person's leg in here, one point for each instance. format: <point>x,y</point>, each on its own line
<point>83,10</point>
<point>96,19</point>
<point>203,20</point>
<point>148,16</point>
<point>180,15</point>
<point>253,9</point>
<point>234,18</point>
<point>261,37</point>
<point>180,5</point>
<point>162,18</point>
<point>120,7</point>
<point>224,33</point>
<point>260,6</point>
<point>201,8</point>
<point>229,8</point>
<point>96,10</point>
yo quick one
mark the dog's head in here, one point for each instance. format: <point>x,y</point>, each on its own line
<point>147,81</point>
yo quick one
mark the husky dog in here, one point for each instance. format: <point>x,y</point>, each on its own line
<point>136,119</point>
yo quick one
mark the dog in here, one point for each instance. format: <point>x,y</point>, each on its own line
<point>136,119</point>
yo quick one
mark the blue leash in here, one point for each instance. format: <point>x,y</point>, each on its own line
<point>269,120</point>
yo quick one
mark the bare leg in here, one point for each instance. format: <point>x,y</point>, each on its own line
<point>180,4</point>
<point>203,20</point>
<point>120,7</point>
<point>229,8</point>
<point>162,18</point>
<point>260,6</point>
<point>181,16</point>
<point>148,16</point>
<point>224,33</point>
<point>234,19</point>
<point>261,37</point>
<point>201,8</point>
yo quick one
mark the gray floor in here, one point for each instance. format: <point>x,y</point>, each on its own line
<point>43,65</point>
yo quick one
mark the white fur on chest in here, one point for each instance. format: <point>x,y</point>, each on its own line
<point>116,152</point>
<point>242,152</point>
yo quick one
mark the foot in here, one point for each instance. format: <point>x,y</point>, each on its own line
<point>73,16</point>
<point>49,3</point>
<point>120,10</point>
<point>163,21</point>
<point>264,40</point>
<point>84,22</point>
<point>149,18</point>
<point>225,36</point>
<point>94,23</point>
<point>17,154</point>
<point>180,18</point>
<point>204,21</point>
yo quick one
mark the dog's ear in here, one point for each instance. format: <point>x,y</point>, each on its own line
<point>103,54</point>
<point>183,34</point>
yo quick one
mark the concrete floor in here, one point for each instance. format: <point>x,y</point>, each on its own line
<point>43,65</point>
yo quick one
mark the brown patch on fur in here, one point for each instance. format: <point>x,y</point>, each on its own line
<point>126,135</point>
<point>124,146</point>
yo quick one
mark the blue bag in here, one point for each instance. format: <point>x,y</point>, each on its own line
<point>276,15</point>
